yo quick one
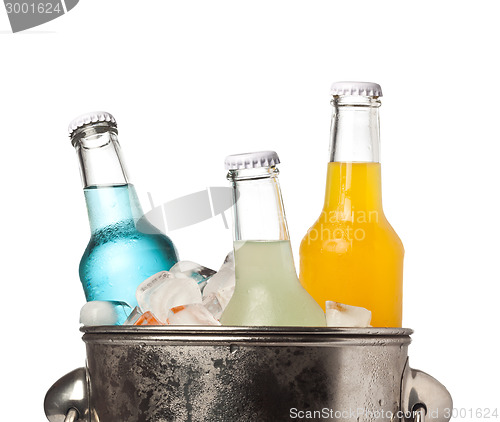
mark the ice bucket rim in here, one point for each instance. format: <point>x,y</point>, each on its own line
<point>264,336</point>
<point>190,329</point>
<point>182,330</point>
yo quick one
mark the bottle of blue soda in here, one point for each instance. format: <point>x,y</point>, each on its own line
<point>124,248</point>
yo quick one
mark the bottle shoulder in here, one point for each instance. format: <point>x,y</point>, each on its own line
<point>368,229</point>
<point>124,237</point>
<point>286,308</point>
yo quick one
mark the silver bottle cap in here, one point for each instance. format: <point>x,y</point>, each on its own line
<point>89,118</point>
<point>251,160</point>
<point>365,89</point>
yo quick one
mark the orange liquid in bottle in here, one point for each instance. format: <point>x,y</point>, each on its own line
<point>352,254</point>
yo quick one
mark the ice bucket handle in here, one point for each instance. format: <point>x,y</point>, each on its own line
<point>423,398</point>
<point>72,416</point>
<point>68,399</point>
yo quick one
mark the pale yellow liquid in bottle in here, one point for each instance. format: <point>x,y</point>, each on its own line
<point>352,254</point>
<point>268,291</point>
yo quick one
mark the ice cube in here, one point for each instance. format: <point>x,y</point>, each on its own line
<point>229,259</point>
<point>133,317</point>
<point>148,318</point>
<point>164,291</point>
<point>197,272</point>
<point>102,312</point>
<point>223,280</point>
<point>224,296</point>
<point>192,314</point>
<point>340,315</point>
<point>212,305</point>
<point>150,285</point>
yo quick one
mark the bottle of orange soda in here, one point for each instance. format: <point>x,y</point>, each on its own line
<point>352,254</point>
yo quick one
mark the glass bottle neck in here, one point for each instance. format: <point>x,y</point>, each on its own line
<point>99,156</point>
<point>109,196</point>
<point>112,205</point>
<point>354,134</point>
<point>353,188</point>
<point>354,173</point>
<point>258,206</point>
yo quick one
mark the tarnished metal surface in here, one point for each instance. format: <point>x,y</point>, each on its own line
<point>421,390</point>
<point>161,374</point>
<point>237,374</point>
<point>68,399</point>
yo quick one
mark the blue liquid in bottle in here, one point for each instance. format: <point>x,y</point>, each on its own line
<point>119,256</point>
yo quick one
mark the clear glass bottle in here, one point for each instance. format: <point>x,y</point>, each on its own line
<point>119,256</point>
<point>352,254</point>
<point>268,291</point>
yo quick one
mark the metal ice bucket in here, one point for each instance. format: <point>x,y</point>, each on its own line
<point>180,373</point>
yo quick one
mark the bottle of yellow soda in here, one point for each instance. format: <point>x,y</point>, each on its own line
<point>352,254</point>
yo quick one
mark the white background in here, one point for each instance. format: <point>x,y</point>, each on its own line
<point>190,82</point>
